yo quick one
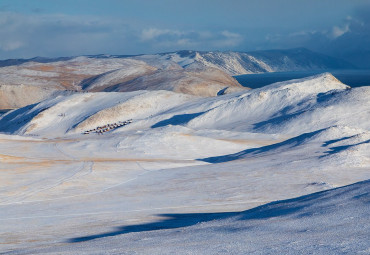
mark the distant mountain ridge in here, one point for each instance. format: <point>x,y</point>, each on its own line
<point>199,73</point>
<point>232,62</point>
<point>33,81</point>
<point>237,63</point>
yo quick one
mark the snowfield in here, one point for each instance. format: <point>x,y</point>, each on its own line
<point>283,169</point>
<point>329,222</point>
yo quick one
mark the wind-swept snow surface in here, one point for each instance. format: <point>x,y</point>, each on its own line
<point>178,173</point>
<point>329,222</point>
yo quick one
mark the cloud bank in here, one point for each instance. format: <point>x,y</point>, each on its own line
<point>40,33</point>
<point>63,35</point>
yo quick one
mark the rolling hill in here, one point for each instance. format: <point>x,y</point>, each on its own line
<point>121,172</point>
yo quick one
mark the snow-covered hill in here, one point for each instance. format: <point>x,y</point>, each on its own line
<point>72,113</point>
<point>56,76</point>
<point>199,82</point>
<point>286,107</point>
<point>15,96</point>
<point>298,108</point>
<point>144,171</point>
<point>37,81</point>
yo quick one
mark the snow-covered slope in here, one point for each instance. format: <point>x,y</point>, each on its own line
<point>127,71</point>
<point>15,96</point>
<point>200,82</point>
<point>335,146</point>
<point>285,107</point>
<point>83,111</point>
<point>67,74</point>
<point>291,108</point>
<point>37,81</point>
<point>329,222</point>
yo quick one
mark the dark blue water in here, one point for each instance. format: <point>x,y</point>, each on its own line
<point>353,78</point>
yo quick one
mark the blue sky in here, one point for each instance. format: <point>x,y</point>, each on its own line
<point>52,28</point>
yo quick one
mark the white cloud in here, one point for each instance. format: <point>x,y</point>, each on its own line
<point>153,33</point>
<point>51,35</point>
<point>175,38</point>
<point>59,35</point>
<point>229,39</point>
<point>229,34</point>
<point>184,42</point>
<point>10,45</point>
<point>339,31</point>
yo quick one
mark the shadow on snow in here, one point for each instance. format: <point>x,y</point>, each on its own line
<point>320,203</point>
<point>283,146</point>
<point>177,120</point>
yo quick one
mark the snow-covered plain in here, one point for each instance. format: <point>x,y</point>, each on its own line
<point>189,175</point>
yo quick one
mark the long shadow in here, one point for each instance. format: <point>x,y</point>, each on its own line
<point>293,142</point>
<point>86,82</point>
<point>171,221</point>
<point>7,120</point>
<point>327,143</point>
<point>177,120</point>
<point>305,206</point>
<point>275,120</point>
<point>290,143</point>
<point>338,149</point>
<point>326,96</point>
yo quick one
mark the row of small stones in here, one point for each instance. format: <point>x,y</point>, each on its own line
<point>108,127</point>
